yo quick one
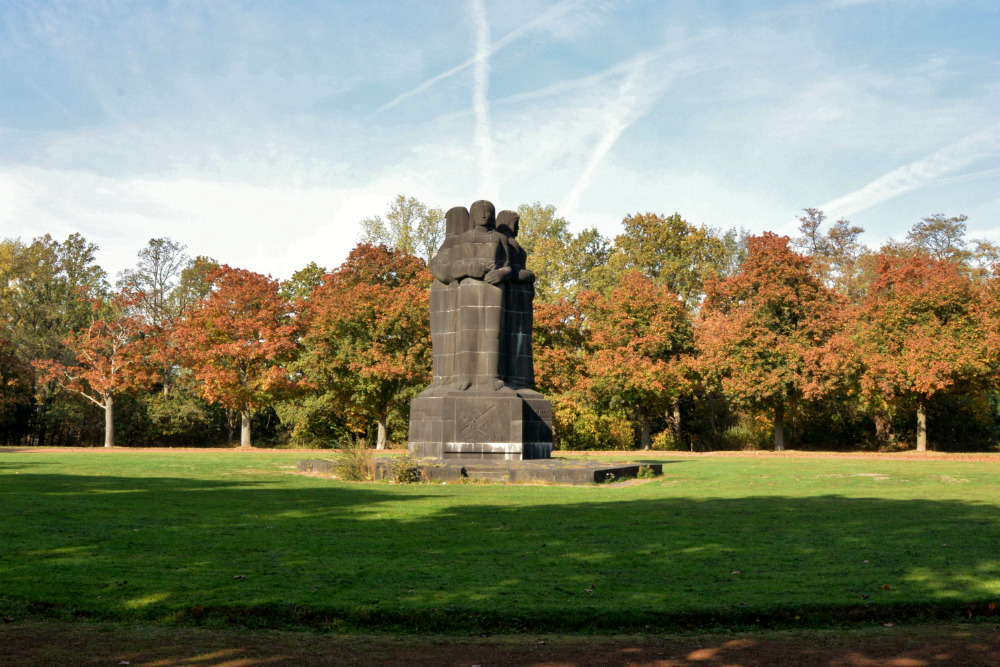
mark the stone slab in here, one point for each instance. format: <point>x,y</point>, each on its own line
<point>555,471</point>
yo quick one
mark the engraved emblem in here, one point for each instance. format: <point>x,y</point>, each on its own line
<point>482,424</point>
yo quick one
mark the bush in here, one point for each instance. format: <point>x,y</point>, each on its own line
<point>355,462</point>
<point>405,470</point>
<point>646,472</point>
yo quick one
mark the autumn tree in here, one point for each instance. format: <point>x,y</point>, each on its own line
<point>918,332</point>
<point>239,341</point>
<point>762,333</point>
<point>560,354</point>
<point>368,343</point>
<point>639,338</point>
<point>408,225</point>
<point>109,357</point>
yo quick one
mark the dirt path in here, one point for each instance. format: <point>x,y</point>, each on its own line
<point>89,644</point>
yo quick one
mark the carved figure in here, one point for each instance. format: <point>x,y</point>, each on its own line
<point>444,300</point>
<point>480,404</point>
<point>483,266</point>
<point>517,363</point>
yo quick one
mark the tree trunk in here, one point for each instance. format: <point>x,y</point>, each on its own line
<point>779,428</point>
<point>644,439</point>
<point>678,436</point>
<point>245,428</point>
<point>921,423</point>
<point>382,434</point>
<point>883,427</point>
<point>109,421</point>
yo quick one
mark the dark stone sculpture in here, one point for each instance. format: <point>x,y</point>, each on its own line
<point>480,404</point>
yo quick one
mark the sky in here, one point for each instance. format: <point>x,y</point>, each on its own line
<point>260,133</point>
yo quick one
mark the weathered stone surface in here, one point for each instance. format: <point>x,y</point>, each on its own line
<point>555,471</point>
<point>480,404</point>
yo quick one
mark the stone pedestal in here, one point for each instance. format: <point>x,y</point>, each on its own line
<point>481,424</point>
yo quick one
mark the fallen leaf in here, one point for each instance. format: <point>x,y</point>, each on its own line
<point>240,576</point>
<point>888,625</point>
<point>886,587</point>
<point>865,597</point>
<point>735,572</point>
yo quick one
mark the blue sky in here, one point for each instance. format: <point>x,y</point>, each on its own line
<point>261,133</point>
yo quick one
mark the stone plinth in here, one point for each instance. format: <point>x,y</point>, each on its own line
<point>481,424</point>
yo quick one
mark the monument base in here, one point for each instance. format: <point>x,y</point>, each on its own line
<point>481,424</point>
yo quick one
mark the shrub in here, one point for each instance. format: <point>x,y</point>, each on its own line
<point>405,470</point>
<point>355,462</point>
<point>646,472</point>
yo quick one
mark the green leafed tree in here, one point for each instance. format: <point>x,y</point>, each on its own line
<point>564,263</point>
<point>674,253</point>
<point>408,225</point>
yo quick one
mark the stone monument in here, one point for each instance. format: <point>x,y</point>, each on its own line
<point>480,404</point>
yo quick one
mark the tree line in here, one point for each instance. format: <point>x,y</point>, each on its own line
<point>670,335</point>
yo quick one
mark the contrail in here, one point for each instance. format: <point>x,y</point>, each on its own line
<point>917,174</point>
<point>555,12</point>
<point>480,103</point>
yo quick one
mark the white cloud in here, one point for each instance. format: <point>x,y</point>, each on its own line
<point>480,102</point>
<point>919,173</point>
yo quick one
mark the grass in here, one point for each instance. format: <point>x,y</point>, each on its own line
<point>227,538</point>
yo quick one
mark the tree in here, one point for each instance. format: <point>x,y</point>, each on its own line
<point>239,342</point>
<point>40,287</point>
<point>763,332</point>
<point>368,344</point>
<point>15,392</point>
<point>563,263</point>
<point>672,252</point>
<point>941,238</point>
<point>303,282</point>
<point>639,337</point>
<point>836,255</point>
<point>155,277</point>
<point>918,332</point>
<point>156,281</point>
<point>409,225</point>
<point>109,357</point>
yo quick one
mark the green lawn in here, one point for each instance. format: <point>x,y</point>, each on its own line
<point>233,538</point>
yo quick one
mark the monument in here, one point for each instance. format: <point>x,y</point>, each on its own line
<point>480,404</point>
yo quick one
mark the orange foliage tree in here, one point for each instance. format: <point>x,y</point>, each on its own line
<point>560,354</point>
<point>918,332</point>
<point>239,341</point>
<point>108,357</point>
<point>368,343</point>
<point>639,341</point>
<point>763,333</point>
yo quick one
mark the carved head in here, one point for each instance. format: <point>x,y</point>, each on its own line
<point>508,222</point>
<point>483,214</point>
<point>456,221</point>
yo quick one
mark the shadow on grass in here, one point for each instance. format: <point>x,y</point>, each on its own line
<point>487,559</point>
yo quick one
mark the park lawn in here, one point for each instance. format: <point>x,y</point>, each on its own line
<point>232,538</point>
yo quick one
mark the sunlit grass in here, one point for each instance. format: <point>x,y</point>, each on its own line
<point>237,538</point>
